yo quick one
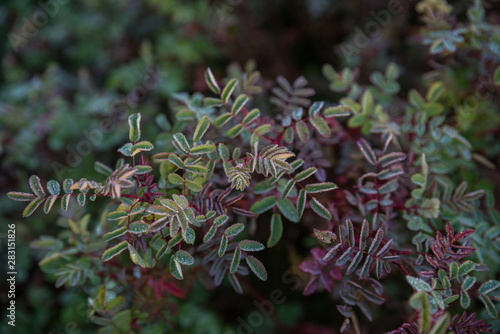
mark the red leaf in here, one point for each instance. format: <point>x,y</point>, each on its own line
<point>463,234</point>
<point>173,289</point>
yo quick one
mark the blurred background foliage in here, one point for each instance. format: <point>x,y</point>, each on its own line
<point>85,65</point>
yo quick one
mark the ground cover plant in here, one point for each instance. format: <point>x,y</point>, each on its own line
<point>359,208</point>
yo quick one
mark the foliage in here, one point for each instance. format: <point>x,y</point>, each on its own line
<point>378,195</point>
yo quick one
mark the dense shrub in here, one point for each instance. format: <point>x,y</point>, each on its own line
<point>371,198</point>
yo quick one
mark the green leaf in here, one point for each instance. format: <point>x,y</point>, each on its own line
<point>356,121</point>
<point>365,269</point>
<point>143,169</point>
<point>32,206</point>
<point>354,263</point>
<point>490,307</point>
<point>65,202</point>
<point>181,143</point>
<point>234,131</point>
<point>36,186</point>
<point>223,246</point>
<point>276,230</point>
<point>115,234</point>
<point>450,299</point>
<point>288,135</point>
<point>305,174</point>
<point>416,99</point>
<point>391,158</point>
<point>326,236</point>
<point>141,146</point>
<point>433,108</point>
<point>250,246</point>
<point>468,283</point>
<point>210,234</point>
<point>332,252</point>
<point>489,286</point>
<point>288,188</point>
<point>466,268</point>
<point>319,208</point>
<point>364,234</point>
<point>175,179</point>
<point>114,251</point>
<point>235,262</point>
<point>115,215</point>
<point>202,149</point>
<point>418,284</point>
<point>175,268</point>
<point>367,103</point>
<point>194,186</point>
<point>344,257</point>
<point>239,103</point>
<point>302,131</point>
<point>49,203</point>
<point>496,76</point>
<point>221,220</point>
<point>263,205</point>
<point>158,224</point>
<point>464,299</point>
<point>424,316</point>
<point>115,305</point>
<point>185,114</point>
<point>261,130</point>
<point>223,152</point>
<point>251,116</point>
<point>350,232</point>
<point>438,299</point>
<point>209,102</point>
<point>392,72</point>
<point>175,240</point>
<point>389,187</point>
<point>418,179</point>
<point>301,202</point>
<point>201,128</point>
<point>222,119</point>
<point>211,82</point>
<point>196,169</point>
<point>164,249</point>
<point>441,326</point>
<point>288,210</point>
<point>136,258</point>
<point>173,158</point>
<point>158,210</point>
<point>315,108</point>
<point>376,243</point>
<point>263,187</point>
<point>338,111</point>
<point>138,227</point>
<point>184,257</point>
<point>453,269</point>
<point>321,126</point>
<point>257,267</point>
<point>134,122</point>
<point>228,90</point>
<point>430,207</point>
<point>320,187</point>
<point>17,196</point>
<point>234,230</point>
<point>367,151</point>
<point>435,91</point>
<point>81,199</point>
<point>53,187</point>
<point>329,72</point>
<point>126,149</point>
